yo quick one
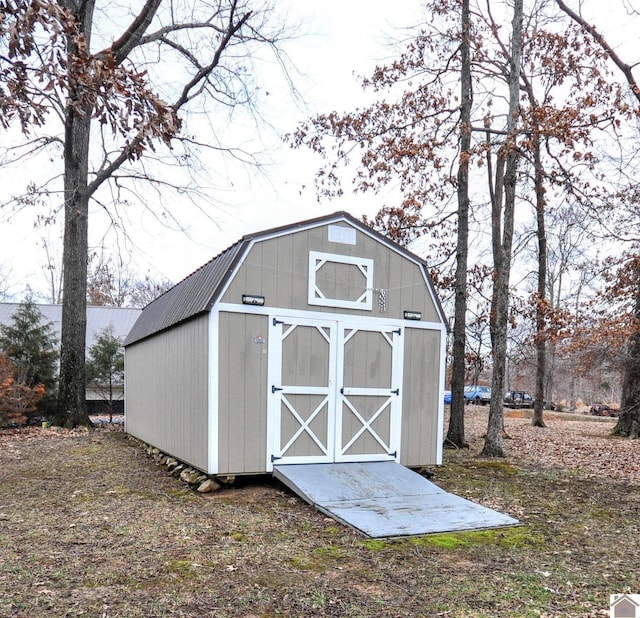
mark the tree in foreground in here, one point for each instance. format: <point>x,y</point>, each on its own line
<point>106,99</point>
<point>31,346</point>
<point>105,367</point>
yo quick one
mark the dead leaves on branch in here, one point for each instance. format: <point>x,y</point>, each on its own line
<point>48,69</point>
<point>49,66</point>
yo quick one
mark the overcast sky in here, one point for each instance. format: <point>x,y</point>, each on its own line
<point>342,39</point>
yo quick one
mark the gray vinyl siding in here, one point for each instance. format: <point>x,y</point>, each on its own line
<point>421,395</point>
<point>166,391</point>
<point>242,394</point>
<point>277,268</point>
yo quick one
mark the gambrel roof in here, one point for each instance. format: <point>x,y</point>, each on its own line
<point>199,291</point>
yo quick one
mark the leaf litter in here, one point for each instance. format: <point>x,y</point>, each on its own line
<point>90,526</point>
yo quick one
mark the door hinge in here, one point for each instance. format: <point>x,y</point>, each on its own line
<point>276,322</point>
<point>396,392</point>
<point>274,458</point>
<point>275,388</point>
<point>397,331</point>
<point>394,454</point>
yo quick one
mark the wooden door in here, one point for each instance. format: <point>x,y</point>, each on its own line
<point>334,391</point>
<point>369,410</point>
<point>302,397</point>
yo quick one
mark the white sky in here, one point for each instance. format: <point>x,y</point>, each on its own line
<point>346,38</point>
<point>342,39</point>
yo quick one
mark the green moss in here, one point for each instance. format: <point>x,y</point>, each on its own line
<point>178,567</point>
<point>498,465</point>
<point>330,552</point>
<point>445,541</point>
<point>505,538</point>
<point>302,563</point>
<point>333,531</point>
<point>374,544</point>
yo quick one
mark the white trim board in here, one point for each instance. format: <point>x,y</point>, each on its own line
<point>213,403</point>
<point>317,315</point>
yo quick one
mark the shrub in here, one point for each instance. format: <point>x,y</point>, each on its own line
<point>17,399</point>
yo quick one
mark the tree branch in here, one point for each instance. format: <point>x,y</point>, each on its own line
<point>121,48</point>
<point>623,66</point>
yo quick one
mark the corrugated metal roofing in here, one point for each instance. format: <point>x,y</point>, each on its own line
<point>186,299</point>
<point>98,318</point>
<point>197,292</point>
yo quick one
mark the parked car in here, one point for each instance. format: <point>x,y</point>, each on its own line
<point>447,397</point>
<point>477,394</point>
<point>518,399</point>
<point>602,409</point>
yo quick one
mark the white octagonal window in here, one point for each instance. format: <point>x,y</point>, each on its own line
<point>340,281</point>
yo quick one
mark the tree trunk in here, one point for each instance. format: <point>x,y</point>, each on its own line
<point>541,335</point>
<point>629,420</point>
<point>502,224</point>
<point>455,434</point>
<point>72,408</point>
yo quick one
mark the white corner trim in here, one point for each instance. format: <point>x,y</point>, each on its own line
<point>213,377</point>
<point>441,377</point>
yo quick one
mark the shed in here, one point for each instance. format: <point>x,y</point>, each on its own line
<point>317,342</point>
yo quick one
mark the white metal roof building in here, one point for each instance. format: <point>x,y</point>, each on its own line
<point>98,319</point>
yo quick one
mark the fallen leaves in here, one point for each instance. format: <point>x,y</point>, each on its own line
<point>569,441</point>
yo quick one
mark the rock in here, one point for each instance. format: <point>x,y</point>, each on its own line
<point>185,475</point>
<point>208,486</point>
<point>171,463</point>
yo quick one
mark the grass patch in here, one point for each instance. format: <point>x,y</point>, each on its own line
<point>506,538</point>
<point>94,528</point>
<point>374,544</point>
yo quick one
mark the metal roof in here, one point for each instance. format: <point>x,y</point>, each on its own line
<point>190,297</point>
<point>198,292</point>
<point>98,318</point>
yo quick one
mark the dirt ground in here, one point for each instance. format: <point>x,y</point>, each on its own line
<point>90,526</point>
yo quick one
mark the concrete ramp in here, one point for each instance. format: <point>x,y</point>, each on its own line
<point>384,499</point>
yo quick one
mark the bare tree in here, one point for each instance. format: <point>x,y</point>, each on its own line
<point>629,419</point>
<point>112,283</point>
<point>52,271</point>
<point>455,433</point>
<point>119,97</point>
<point>503,197</point>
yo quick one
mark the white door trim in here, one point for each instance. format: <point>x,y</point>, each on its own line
<point>335,393</point>
<point>276,395</point>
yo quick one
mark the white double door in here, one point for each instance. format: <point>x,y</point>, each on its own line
<point>335,390</point>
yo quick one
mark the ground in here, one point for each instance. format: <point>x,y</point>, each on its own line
<point>90,526</point>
